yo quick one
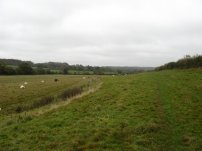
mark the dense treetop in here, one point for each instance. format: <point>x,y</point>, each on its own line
<point>184,63</point>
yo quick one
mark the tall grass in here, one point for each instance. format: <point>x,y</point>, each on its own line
<point>43,101</point>
<point>71,93</point>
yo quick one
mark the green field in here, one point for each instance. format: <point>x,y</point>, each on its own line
<point>12,96</point>
<point>152,111</point>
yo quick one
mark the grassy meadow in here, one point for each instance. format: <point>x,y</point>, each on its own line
<point>151,111</point>
<point>12,95</point>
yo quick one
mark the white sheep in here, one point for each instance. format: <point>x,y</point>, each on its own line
<point>25,83</point>
<point>42,81</point>
<point>0,109</point>
<point>84,78</point>
<point>22,87</point>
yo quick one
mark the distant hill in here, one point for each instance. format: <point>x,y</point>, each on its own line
<point>129,69</point>
<point>14,62</point>
<point>52,65</point>
<point>63,67</point>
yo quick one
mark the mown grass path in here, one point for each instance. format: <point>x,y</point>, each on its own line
<point>172,135</point>
<point>158,111</point>
<point>180,95</point>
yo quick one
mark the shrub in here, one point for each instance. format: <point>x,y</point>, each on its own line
<point>19,109</point>
<point>25,68</point>
<point>70,93</point>
<point>42,102</point>
<point>184,63</point>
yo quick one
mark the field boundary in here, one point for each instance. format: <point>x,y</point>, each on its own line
<point>45,109</point>
<point>50,107</point>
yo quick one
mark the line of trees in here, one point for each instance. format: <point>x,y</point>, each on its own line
<point>26,69</point>
<point>184,63</point>
<point>23,69</point>
<point>19,67</point>
<point>5,70</point>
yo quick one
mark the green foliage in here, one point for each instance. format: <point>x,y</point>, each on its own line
<point>98,71</point>
<point>70,93</point>
<point>43,101</point>
<point>40,70</point>
<point>184,63</point>
<point>5,70</point>
<point>25,69</point>
<point>15,62</point>
<point>52,65</point>
<point>65,70</point>
<point>2,68</point>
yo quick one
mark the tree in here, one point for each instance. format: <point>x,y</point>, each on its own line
<point>2,69</point>
<point>9,71</point>
<point>25,68</point>
<point>98,71</point>
<point>40,70</point>
<point>6,70</point>
<point>65,70</point>
<point>184,63</point>
<point>119,72</point>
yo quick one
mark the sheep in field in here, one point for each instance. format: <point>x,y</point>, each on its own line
<point>42,81</point>
<point>25,83</point>
<point>22,87</point>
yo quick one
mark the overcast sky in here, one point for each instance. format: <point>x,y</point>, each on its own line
<point>100,32</point>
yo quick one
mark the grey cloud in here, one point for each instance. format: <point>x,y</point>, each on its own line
<point>100,32</point>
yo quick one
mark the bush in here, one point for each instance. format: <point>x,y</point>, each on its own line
<point>42,102</point>
<point>25,68</point>
<point>70,93</point>
<point>184,63</point>
<point>19,109</point>
<point>6,70</point>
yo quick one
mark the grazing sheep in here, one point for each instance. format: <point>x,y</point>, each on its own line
<point>25,83</point>
<point>84,78</point>
<point>56,80</point>
<point>113,75</point>
<point>42,81</point>
<point>22,87</point>
<point>0,109</point>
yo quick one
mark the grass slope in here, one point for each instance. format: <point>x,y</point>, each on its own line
<point>12,96</point>
<point>147,111</point>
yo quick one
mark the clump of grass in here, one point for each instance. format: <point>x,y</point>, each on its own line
<point>149,128</point>
<point>23,119</point>
<point>19,109</point>
<point>28,118</point>
<point>187,140</point>
<point>49,99</point>
<point>10,122</point>
<point>43,101</point>
<point>70,93</point>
